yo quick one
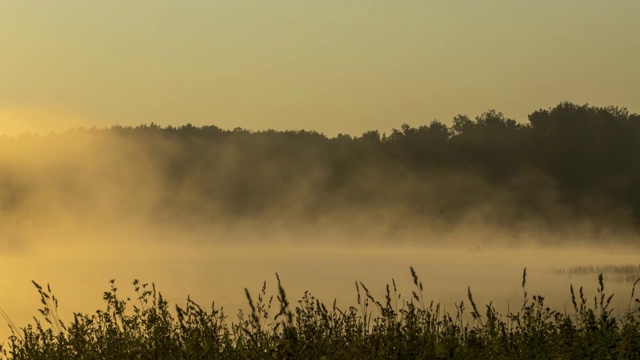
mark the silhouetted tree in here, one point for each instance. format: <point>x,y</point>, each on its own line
<point>577,157</point>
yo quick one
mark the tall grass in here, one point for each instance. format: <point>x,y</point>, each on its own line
<point>391,328</point>
<point>618,273</point>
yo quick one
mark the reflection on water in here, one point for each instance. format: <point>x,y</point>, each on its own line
<point>207,273</point>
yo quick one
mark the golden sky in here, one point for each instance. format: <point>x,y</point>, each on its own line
<point>330,65</point>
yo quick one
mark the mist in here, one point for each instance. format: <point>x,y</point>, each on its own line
<point>206,211</point>
<point>490,182</point>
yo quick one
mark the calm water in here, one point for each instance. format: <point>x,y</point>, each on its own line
<point>79,274</point>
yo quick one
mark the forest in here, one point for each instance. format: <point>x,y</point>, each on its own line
<point>568,166</point>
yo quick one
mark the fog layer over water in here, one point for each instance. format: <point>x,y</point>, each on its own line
<point>205,212</point>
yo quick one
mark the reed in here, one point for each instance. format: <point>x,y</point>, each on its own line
<point>626,273</point>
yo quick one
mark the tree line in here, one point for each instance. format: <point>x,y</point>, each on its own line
<point>569,163</point>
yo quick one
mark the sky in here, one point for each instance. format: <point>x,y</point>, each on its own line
<point>334,66</point>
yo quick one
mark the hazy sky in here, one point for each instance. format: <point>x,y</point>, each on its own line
<point>329,65</point>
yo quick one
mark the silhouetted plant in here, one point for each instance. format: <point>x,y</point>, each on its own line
<point>396,328</point>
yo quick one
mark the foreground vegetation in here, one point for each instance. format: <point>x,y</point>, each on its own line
<point>396,327</point>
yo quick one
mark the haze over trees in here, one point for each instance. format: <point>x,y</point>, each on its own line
<point>571,165</point>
